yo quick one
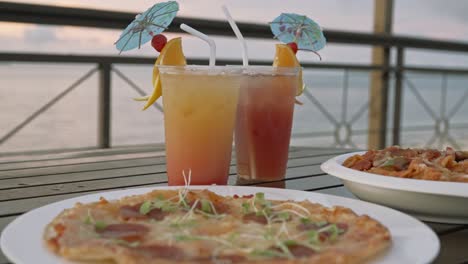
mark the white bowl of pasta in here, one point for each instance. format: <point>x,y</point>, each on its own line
<point>428,200</point>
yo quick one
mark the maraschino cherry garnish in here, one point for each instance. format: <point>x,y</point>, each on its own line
<point>293,46</point>
<point>158,42</point>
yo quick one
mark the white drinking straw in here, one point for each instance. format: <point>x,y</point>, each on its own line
<point>245,62</point>
<point>245,57</point>
<point>204,37</point>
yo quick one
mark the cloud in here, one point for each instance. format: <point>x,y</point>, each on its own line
<point>40,35</point>
<point>330,14</point>
<point>454,9</point>
<point>445,20</point>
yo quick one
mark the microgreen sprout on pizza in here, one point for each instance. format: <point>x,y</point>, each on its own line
<point>200,226</point>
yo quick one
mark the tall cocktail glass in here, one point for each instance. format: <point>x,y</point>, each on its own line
<point>264,121</point>
<point>200,105</point>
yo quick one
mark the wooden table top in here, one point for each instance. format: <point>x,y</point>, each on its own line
<point>34,181</point>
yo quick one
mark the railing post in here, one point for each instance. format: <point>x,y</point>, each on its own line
<point>398,96</point>
<point>378,90</point>
<point>104,105</point>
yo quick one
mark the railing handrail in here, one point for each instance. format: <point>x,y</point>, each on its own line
<point>88,59</point>
<point>55,15</point>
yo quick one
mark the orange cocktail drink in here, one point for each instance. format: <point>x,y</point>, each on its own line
<point>264,121</point>
<point>200,105</point>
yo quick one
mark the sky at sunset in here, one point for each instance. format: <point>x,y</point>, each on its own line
<point>440,19</point>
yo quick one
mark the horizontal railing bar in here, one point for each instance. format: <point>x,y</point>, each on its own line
<point>61,58</point>
<point>417,128</point>
<point>428,127</point>
<point>458,71</point>
<point>54,15</point>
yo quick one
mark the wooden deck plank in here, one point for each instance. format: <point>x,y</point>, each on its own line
<point>95,166</point>
<point>18,207</point>
<point>3,259</point>
<point>122,178</point>
<point>23,167</point>
<point>80,167</point>
<point>23,204</point>
<point>114,170</point>
<point>62,169</point>
<point>453,248</point>
<point>305,183</point>
<point>294,152</point>
<point>445,229</point>
<point>83,186</point>
<point>71,161</point>
<point>4,221</point>
<point>338,191</point>
<point>63,178</point>
<point>78,153</point>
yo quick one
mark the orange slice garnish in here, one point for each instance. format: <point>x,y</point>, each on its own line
<point>285,57</point>
<point>171,54</point>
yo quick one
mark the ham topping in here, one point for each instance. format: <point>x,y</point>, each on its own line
<point>128,232</point>
<point>310,226</point>
<point>461,155</point>
<point>297,251</point>
<point>160,251</point>
<point>221,259</point>
<point>157,214</point>
<point>301,251</point>
<point>261,219</point>
<point>133,212</point>
<point>235,196</point>
<point>175,253</point>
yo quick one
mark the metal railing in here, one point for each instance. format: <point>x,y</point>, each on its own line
<point>38,14</point>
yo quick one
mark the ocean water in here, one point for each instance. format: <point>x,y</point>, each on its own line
<point>72,121</point>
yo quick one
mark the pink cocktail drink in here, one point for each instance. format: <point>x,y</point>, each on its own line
<point>264,121</point>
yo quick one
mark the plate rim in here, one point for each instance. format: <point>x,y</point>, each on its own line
<point>135,191</point>
<point>333,166</point>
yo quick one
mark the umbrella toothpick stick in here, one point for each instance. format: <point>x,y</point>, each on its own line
<point>204,37</point>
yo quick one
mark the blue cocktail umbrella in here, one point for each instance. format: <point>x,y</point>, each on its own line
<point>290,27</point>
<point>146,25</point>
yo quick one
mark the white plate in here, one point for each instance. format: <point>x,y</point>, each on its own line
<point>21,240</point>
<point>443,202</point>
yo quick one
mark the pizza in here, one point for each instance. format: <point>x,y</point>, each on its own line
<point>423,164</point>
<point>199,226</point>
